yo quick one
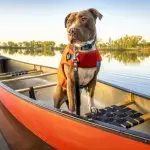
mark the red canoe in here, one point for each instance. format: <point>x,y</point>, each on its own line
<point>29,120</point>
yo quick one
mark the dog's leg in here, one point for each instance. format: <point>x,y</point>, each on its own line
<point>70,87</point>
<point>58,96</point>
<point>91,89</point>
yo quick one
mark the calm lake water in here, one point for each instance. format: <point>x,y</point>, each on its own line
<point>128,69</point>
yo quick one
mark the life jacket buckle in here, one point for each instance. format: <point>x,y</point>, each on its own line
<point>69,56</point>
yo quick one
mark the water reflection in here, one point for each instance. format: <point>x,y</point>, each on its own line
<point>126,57</point>
<point>31,52</point>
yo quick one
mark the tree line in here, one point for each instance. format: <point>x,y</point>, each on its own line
<point>124,43</point>
<point>48,48</point>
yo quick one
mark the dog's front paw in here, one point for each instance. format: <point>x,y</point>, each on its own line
<point>93,109</point>
<point>72,112</point>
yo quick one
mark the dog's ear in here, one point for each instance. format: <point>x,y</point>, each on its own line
<point>66,19</point>
<point>95,13</point>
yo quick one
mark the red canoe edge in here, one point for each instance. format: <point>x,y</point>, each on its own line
<point>60,131</point>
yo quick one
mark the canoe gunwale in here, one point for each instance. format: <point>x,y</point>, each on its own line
<point>135,135</point>
<point>125,89</point>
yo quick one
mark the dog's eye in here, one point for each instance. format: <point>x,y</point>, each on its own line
<point>83,19</point>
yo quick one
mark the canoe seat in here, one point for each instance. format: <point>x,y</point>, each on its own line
<point>122,116</point>
<point>16,72</point>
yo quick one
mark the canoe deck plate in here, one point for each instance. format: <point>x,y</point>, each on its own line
<point>117,115</point>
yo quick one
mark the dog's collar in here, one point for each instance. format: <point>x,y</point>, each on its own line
<point>86,45</point>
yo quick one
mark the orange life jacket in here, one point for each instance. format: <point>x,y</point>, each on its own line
<point>85,60</point>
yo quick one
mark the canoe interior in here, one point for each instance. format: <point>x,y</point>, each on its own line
<point>105,94</point>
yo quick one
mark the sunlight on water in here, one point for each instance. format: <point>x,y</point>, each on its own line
<point>133,76</point>
<point>52,61</point>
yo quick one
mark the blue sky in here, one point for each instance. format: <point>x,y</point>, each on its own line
<point>44,19</point>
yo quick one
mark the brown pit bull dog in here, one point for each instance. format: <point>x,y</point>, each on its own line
<point>81,28</point>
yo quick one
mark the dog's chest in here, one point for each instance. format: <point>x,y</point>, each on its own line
<point>86,75</point>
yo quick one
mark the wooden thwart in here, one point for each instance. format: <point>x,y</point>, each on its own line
<point>37,87</point>
<point>127,103</point>
<point>26,77</point>
<point>146,117</point>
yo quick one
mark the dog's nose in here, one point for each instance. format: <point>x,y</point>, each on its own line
<point>73,31</point>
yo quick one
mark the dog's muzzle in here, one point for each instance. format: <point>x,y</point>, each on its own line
<point>73,34</point>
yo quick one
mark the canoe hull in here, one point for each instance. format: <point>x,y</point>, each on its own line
<point>61,132</point>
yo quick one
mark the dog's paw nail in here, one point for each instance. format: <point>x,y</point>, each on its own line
<point>93,109</point>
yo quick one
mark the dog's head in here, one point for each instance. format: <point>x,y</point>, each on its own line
<point>81,25</point>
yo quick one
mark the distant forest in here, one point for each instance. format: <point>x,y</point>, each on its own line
<point>47,48</point>
<point>124,43</point>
